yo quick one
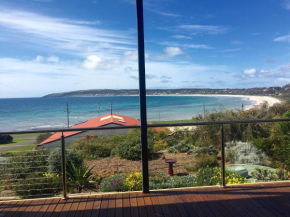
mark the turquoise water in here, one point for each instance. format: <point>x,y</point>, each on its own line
<point>43,113</point>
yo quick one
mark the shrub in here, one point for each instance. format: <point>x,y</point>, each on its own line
<point>114,183</point>
<point>134,181</point>
<point>212,176</point>
<point>43,136</point>
<point>94,147</point>
<point>204,150</point>
<point>159,146</point>
<point>130,148</point>
<point>160,180</point>
<point>269,175</point>
<point>203,161</point>
<point>182,147</point>
<point>5,139</point>
<point>55,158</point>
<point>37,185</point>
<point>22,164</point>
<point>172,150</point>
<point>80,176</point>
<point>245,153</point>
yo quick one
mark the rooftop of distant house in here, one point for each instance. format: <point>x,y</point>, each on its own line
<point>101,121</point>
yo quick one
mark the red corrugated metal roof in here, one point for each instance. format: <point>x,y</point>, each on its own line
<point>96,122</point>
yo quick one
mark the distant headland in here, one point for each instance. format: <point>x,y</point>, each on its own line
<point>281,92</point>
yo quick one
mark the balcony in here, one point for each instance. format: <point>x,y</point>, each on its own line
<point>270,199</point>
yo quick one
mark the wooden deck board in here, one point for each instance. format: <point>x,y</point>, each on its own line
<point>261,199</point>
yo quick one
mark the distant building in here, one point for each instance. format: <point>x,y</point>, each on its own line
<point>108,120</point>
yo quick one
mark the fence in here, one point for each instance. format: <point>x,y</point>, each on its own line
<point>16,175</point>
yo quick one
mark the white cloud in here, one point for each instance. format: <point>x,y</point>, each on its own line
<point>96,63</point>
<point>130,70</point>
<point>230,50</point>
<point>51,59</point>
<point>170,52</point>
<point>92,62</point>
<point>39,58</point>
<point>287,4</point>
<point>197,46</point>
<point>250,72</point>
<point>265,73</point>
<point>33,78</point>
<point>191,46</point>
<point>181,37</point>
<point>166,14</point>
<point>173,51</point>
<point>284,79</point>
<point>204,29</point>
<point>74,36</point>
<point>285,38</point>
<point>131,55</point>
<point>151,76</point>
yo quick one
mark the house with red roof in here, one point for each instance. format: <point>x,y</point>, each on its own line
<point>108,120</point>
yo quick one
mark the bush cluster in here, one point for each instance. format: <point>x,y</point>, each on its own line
<point>204,150</point>
<point>208,176</point>
<point>38,184</point>
<point>114,183</point>
<point>95,147</point>
<point>37,173</point>
<point>133,181</point>
<point>203,161</point>
<point>5,139</point>
<point>71,157</point>
<point>270,175</point>
<point>180,147</point>
<point>43,136</point>
<point>159,145</point>
<point>130,147</point>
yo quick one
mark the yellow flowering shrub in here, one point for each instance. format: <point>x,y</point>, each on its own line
<point>212,176</point>
<point>51,175</point>
<point>159,145</point>
<point>134,181</point>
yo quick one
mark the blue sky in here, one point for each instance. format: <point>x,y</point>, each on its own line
<point>49,46</point>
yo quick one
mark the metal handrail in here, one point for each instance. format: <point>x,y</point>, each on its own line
<point>205,123</point>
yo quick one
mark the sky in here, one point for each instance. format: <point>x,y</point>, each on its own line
<point>49,46</point>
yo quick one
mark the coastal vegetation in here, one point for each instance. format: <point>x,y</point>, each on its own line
<point>101,163</point>
<point>282,92</point>
<point>5,139</point>
<point>42,136</point>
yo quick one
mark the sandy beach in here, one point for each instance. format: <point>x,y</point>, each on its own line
<point>257,100</point>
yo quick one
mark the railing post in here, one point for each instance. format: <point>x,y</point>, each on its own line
<point>142,95</point>
<point>63,166</point>
<point>223,157</point>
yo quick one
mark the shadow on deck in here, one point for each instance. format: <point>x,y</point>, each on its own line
<point>263,199</point>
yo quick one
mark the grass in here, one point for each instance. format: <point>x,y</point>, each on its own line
<point>16,142</point>
<point>24,135</point>
<point>174,121</point>
<point>23,148</point>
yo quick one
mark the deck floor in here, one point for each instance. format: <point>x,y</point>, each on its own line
<point>269,199</point>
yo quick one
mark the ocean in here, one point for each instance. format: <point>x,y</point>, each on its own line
<point>44,113</point>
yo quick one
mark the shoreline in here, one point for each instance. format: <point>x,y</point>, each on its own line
<point>257,100</point>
